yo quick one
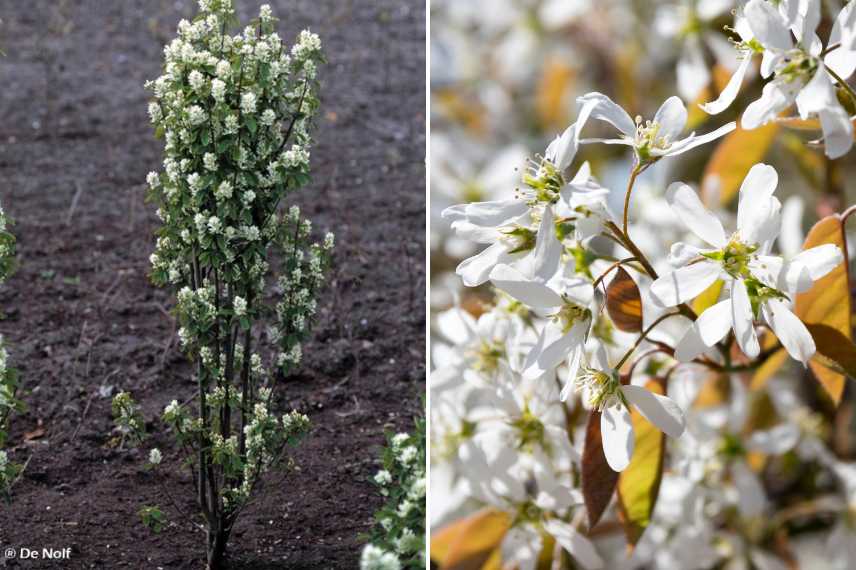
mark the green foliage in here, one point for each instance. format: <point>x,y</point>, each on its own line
<point>153,518</point>
<point>400,528</point>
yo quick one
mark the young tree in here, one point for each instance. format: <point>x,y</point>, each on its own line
<point>235,112</point>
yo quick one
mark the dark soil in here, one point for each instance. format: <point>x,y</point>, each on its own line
<point>82,319</point>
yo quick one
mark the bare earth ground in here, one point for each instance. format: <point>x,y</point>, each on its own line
<point>82,317</point>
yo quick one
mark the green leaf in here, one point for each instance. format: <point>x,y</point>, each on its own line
<point>250,122</point>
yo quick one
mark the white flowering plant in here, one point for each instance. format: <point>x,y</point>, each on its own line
<point>9,403</point>
<point>632,354</point>
<point>235,112</point>
<point>398,539</point>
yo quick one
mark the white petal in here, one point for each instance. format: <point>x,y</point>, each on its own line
<point>521,547</point>
<point>692,213</point>
<point>792,234</point>
<point>756,189</point>
<point>690,346</point>
<point>819,260</point>
<point>715,322</point>
<point>693,75</point>
<point>494,213</point>
<point>548,249</point>
<point>475,270</point>
<point>616,430</point>
<point>575,543</point>
<point>599,106</point>
<point>775,97</point>
<point>775,441</point>
<point>729,94</point>
<point>556,347</point>
<point>531,293</point>
<point>752,497</point>
<point>660,410</point>
<point>672,118</point>
<point>694,141</point>
<point>817,94</point>
<point>837,131</point>
<point>684,283</point>
<point>742,317</point>
<point>682,253</point>
<point>561,151</point>
<point>768,25</point>
<point>843,60</point>
<point>574,361</point>
<point>790,330</point>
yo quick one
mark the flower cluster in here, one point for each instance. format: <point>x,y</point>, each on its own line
<point>617,316</point>
<point>398,540</point>
<point>128,419</point>
<point>235,113</point>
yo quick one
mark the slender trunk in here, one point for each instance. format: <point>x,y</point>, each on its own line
<point>217,540</point>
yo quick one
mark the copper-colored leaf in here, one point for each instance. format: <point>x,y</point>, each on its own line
<point>624,303</point>
<point>598,478</point>
<point>469,543</point>
<point>639,484</point>
<point>828,303</point>
<point>738,152</point>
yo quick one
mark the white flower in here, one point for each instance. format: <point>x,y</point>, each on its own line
<point>196,115</point>
<point>383,477</point>
<point>155,456</point>
<point>239,305</point>
<point>603,392</point>
<point>248,103</point>
<point>375,558</point>
<point>565,300</point>
<point>224,69</point>
<point>797,65</point>
<point>210,161</point>
<point>153,179</point>
<point>268,117</point>
<point>653,139</point>
<point>218,90</point>
<point>224,190</point>
<point>196,80</point>
<point>757,283</point>
<point>265,13</point>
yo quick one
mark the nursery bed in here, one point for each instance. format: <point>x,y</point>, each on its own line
<point>83,321</point>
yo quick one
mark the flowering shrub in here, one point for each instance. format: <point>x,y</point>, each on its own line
<point>8,376</point>
<point>235,113</point>
<point>398,540</point>
<point>628,360</point>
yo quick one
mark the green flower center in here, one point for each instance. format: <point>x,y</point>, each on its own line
<point>545,181</point>
<point>530,430</point>
<point>487,356</point>
<point>570,314</point>
<point>521,239</point>
<point>600,389</point>
<point>648,138</point>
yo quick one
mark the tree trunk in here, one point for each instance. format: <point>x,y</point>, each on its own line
<point>217,540</point>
